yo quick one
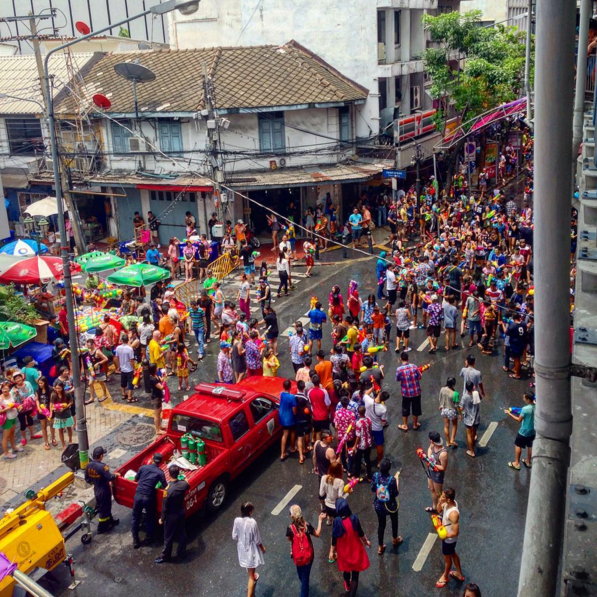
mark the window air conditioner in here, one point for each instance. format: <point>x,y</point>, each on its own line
<point>137,144</point>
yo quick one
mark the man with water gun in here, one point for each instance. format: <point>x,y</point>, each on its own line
<point>317,318</point>
<point>450,523</point>
<point>526,433</point>
<point>437,463</point>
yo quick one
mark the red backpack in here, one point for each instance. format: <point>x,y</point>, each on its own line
<point>302,548</point>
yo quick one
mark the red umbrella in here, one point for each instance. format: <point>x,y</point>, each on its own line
<point>34,270</point>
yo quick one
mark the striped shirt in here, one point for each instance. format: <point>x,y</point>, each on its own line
<point>197,318</point>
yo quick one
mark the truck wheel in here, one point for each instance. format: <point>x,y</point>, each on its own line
<point>86,538</point>
<point>217,495</point>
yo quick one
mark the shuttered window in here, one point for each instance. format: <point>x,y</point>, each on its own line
<point>170,135</point>
<point>120,136</point>
<point>271,132</point>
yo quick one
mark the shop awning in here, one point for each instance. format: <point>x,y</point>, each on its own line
<point>304,177</point>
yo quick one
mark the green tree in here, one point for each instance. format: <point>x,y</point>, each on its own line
<point>472,68</point>
<point>14,307</point>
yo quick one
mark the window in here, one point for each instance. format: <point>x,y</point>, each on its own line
<point>415,98</point>
<point>120,136</point>
<point>24,136</point>
<point>383,94</point>
<point>197,427</point>
<point>396,27</point>
<point>170,135</point>
<point>344,118</point>
<point>271,132</point>
<point>239,425</point>
<point>261,407</point>
<point>381,26</point>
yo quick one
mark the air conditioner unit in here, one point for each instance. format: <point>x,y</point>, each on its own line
<point>137,144</point>
<point>381,52</point>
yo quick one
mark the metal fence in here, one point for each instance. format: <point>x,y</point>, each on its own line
<point>590,84</point>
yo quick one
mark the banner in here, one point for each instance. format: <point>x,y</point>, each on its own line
<point>491,158</point>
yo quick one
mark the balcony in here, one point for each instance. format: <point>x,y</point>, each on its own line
<point>408,4</point>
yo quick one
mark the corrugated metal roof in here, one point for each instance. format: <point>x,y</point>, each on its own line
<point>243,77</point>
<point>18,77</point>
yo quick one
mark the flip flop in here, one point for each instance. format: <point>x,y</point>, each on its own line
<point>283,458</point>
<point>402,428</point>
<point>512,376</point>
<point>54,442</point>
<point>512,465</point>
<point>397,541</point>
<point>87,402</point>
<point>527,463</point>
<point>469,453</point>
<point>47,446</point>
<point>455,577</point>
<point>302,461</point>
<point>417,427</point>
<point>440,584</point>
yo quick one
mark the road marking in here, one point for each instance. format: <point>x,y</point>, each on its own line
<point>116,453</point>
<point>286,499</point>
<point>488,433</point>
<point>424,553</point>
<point>423,346</point>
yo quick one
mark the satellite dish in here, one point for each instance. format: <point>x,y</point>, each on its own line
<point>101,101</point>
<point>82,28</point>
<point>135,72</point>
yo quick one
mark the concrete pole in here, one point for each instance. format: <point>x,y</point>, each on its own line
<point>586,7</point>
<point>554,79</point>
<point>527,63</point>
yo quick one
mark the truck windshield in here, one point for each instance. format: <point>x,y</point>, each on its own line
<point>197,427</point>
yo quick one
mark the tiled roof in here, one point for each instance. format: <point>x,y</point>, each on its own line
<point>19,78</point>
<point>243,77</point>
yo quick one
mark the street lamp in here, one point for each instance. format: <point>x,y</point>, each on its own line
<point>416,161</point>
<point>185,7</point>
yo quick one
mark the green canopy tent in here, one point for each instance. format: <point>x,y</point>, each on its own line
<point>14,334</point>
<point>138,274</point>
<point>99,262</point>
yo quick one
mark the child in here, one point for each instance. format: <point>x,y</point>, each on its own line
<point>61,412</point>
<point>270,363</point>
<point>225,332</point>
<point>182,366</point>
<point>357,358</point>
<point>379,323</point>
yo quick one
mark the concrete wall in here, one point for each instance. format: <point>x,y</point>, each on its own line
<point>342,33</point>
<point>493,10</point>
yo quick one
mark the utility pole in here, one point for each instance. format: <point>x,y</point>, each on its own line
<point>79,238</point>
<point>213,134</point>
<point>586,7</point>
<point>417,162</point>
<point>554,80</point>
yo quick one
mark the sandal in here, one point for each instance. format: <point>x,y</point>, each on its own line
<point>512,376</point>
<point>504,368</point>
<point>301,461</point>
<point>87,402</point>
<point>527,463</point>
<point>133,400</point>
<point>403,428</point>
<point>512,465</point>
<point>397,541</point>
<point>47,446</point>
<point>380,550</point>
<point>469,453</point>
<point>100,400</point>
<point>440,584</point>
<point>456,577</point>
<point>54,442</point>
<point>283,458</point>
<point>417,427</point>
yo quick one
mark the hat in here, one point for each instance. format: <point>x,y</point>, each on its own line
<point>239,222</point>
<point>29,360</point>
<point>99,452</point>
<point>224,344</point>
<point>17,372</point>
<point>435,437</point>
<point>157,457</point>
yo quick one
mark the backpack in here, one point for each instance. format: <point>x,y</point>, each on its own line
<point>302,548</point>
<point>382,493</point>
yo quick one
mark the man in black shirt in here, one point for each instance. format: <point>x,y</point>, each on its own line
<point>271,325</point>
<point>148,477</point>
<point>246,253</point>
<point>154,225</point>
<point>517,333</point>
<point>210,224</point>
<point>173,516</point>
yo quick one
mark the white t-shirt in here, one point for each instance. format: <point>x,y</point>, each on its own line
<point>376,412</point>
<point>125,354</point>
<point>390,280</point>
<point>331,492</point>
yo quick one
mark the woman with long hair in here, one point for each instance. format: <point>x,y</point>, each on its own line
<point>188,255</point>
<point>385,488</point>
<point>173,256</point>
<point>250,549</point>
<point>299,534</point>
<point>336,303</point>
<point>283,269</point>
<point>61,404</point>
<point>353,300</point>
<point>448,408</point>
<point>330,489</point>
<point>44,416</point>
<point>239,365</point>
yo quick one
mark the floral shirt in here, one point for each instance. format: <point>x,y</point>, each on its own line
<point>342,420</point>
<point>363,433</point>
<point>367,312</point>
<point>19,394</point>
<point>297,346</point>
<point>225,367</point>
<point>435,312</point>
<point>252,355</point>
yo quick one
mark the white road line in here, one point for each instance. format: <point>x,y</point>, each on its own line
<point>286,499</point>
<point>424,345</point>
<point>424,553</point>
<point>488,433</point>
<point>116,453</point>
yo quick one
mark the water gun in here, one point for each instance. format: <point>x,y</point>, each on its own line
<point>137,375</point>
<point>341,444</point>
<point>167,339</point>
<point>60,406</point>
<point>425,459</point>
<point>439,527</point>
<point>352,484</point>
<point>374,349</point>
<point>45,412</point>
<point>424,368</point>
<point>376,386</point>
<point>515,410</point>
<point>363,368</point>
<point>362,334</point>
<point>90,367</point>
<point>456,397</point>
<point>313,302</point>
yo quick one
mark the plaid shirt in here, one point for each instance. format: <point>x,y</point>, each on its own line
<point>409,376</point>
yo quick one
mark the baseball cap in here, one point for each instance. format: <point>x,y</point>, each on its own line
<point>224,344</point>
<point>99,452</point>
<point>435,437</point>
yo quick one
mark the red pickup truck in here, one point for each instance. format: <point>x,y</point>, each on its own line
<point>236,422</point>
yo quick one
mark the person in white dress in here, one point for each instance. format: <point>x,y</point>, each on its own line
<point>248,542</point>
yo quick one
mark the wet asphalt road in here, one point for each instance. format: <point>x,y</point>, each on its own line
<point>492,497</point>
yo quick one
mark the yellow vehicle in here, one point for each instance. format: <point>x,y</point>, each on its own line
<point>30,537</point>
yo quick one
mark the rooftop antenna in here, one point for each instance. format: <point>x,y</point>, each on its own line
<point>136,73</point>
